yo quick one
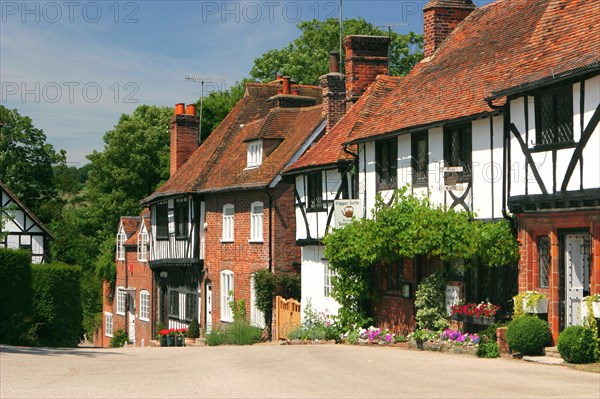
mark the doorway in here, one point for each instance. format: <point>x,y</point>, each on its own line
<point>575,265</point>
<point>131,317</point>
<point>208,306</point>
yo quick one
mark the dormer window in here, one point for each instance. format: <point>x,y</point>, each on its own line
<point>121,245</point>
<point>254,153</point>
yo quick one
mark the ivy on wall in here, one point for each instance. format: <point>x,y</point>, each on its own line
<point>410,226</point>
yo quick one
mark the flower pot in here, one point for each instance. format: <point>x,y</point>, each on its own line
<point>541,307</point>
<point>179,340</point>
<point>170,340</point>
<point>163,340</point>
<point>595,309</point>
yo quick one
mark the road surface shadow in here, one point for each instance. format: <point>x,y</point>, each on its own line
<point>88,352</point>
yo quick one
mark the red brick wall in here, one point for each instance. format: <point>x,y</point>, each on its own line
<point>241,256</point>
<point>333,88</point>
<point>184,139</point>
<point>366,57</point>
<point>139,276</point>
<point>531,227</point>
<point>438,22</point>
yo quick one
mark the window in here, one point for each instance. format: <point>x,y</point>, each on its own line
<point>108,324</point>
<point>392,278</point>
<point>257,317</point>
<point>256,221</point>
<point>162,220</point>
<point>554,116</point>
<point>314,186</point>
<point>543,260</point>
<point>254,156</point>
<point>145,305</point>
<point>173,304</point>
<point>228,212</point>
<point>420,158</point>
<point>181,218</point>
<point>457,152</point>
<point>191,305</point>
<point>142,249</point>
<point>121,300</point>
<point>386,163</point>
<point>121,246</point>
<point>329,277</point>
<point>226,295</point>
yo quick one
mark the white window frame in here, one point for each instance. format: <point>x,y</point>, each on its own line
<point>144,305</point>
<point>194,311</point>
<point>254,154</point>
<point>256,222</point>
<point>227,288</point>
<point>121,245</point>
<point>142,249</point>
<point>328,276</point>
<point>228,223</point>
<point>121,301</point>
<point>108,326</point>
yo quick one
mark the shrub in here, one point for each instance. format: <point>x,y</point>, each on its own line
<point>215,337</point>
<point>528,335</point>
<point>238,333</point>
<point>577,344</point>
<point>489,334</point>
<point>194,329</point>
<point>119,339</point>
<point>57,304</point>
<point>488,350</point>
<point>16,295</point>
<point>430,301</point>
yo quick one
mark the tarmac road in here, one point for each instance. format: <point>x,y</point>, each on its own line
<point>274,371</point>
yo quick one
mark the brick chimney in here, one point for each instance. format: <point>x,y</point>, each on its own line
<point>289,97</point>
<point>184,135</point>
<point>366,57</point>
<point>440,17</point>
<point>334,91</point>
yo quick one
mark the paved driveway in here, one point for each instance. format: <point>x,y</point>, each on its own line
<point>273,371</point>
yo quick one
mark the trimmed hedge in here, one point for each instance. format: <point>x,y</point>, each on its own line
<point>57,304</point>
<point>577,344</point>
<point>16,311</point>
<point>528,335</point>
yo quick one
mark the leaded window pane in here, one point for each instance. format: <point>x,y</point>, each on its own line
<point>544,260</point>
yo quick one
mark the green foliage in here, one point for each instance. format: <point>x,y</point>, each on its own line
<point>238,308</point>
<point>488,350</point>
<point>526,299</point>
<point>489,334</point>
<point>430,303</point>
<point>577,344</point>
<point>238,333</point>
<point>410,226</point>
<point>26,164</point>
<point>590,321</point>
<point>91,302</point>
<point>57,304</point>
<point>194,328</point>
<point>528,335</point>
<point>264,284</point>
<point>15,297</point>
<point>496,245</point>
<point>288,286</point>
<point>316,326</point>
<point>119,339</point>
<point>105,267</point>
<point>306,58</point>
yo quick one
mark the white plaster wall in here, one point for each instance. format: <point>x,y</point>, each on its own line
<point>436,162</point>
<point>517,158</point>
<point>312,281</point>
<point>591,153</point>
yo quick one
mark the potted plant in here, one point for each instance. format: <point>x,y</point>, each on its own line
<point>180,336</point>
<point>163,337</point>
<point>590,305</point>
<point>419,336</point>
<point>193,332</point>
<point>530,302</point>
<point>482,313</point>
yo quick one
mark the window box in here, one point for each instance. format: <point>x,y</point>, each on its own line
<point>595,307</point>
<point>541,307</point>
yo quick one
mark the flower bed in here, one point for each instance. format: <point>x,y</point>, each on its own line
<point>172,336</point>
<point>372,335</point>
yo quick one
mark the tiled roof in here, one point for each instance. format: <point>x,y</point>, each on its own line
<point>220,162</point>
<point>130,226</point>
<point>499,46</point>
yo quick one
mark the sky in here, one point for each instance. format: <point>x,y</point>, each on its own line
<point>74,67</point>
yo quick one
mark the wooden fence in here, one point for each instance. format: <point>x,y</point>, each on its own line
<point>287,317</point>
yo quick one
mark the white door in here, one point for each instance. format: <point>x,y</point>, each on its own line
<point>208,307</point>
<point>257,317</point>
<point>131,317</point>
<point>577,274</point>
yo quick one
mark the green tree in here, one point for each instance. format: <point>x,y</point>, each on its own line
<point>26,163</point>
<point>306,58</point>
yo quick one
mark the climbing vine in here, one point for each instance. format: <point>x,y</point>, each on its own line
<point>410,226</point>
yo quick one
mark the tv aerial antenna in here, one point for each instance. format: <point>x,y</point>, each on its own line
<point>202,79</point>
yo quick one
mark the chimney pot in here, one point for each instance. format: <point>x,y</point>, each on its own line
<point>278,76</point>
<point>190,109</point>
<point>334,62</point>
<point>286,85</point>
<point>179,109</point>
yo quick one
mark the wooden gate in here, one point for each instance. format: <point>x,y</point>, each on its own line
<point>287,316</point>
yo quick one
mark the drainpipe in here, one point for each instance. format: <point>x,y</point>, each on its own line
<point>126,300</point>
<point>270,229</point>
